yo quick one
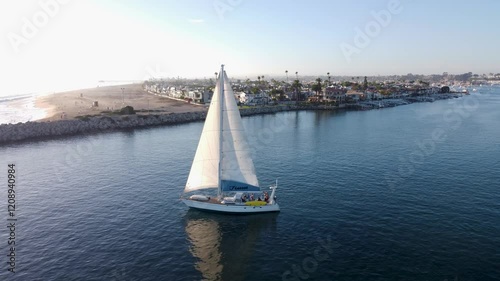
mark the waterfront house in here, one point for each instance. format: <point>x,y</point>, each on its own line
<point>335,93</point>
<point>260,98</point>
<point>373,95</point>
<point>207,96</point>
<point>355,96</point>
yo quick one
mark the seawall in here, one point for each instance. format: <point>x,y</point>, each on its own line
<point>12,133</point>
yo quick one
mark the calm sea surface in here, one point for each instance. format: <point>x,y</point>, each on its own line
<point>404,193</point>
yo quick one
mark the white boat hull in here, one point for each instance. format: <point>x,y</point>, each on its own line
<point>231,208</point>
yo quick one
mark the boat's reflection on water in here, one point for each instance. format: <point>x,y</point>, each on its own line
<point>224,244</point>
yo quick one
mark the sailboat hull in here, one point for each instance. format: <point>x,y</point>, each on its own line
<point>229,208</point>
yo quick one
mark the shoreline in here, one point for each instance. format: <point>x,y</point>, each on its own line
<point>93,101</point>
<point>21,109</point>
<point>84,125</point>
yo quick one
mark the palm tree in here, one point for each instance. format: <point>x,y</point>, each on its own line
<point>297,86</point>
<point>325,84</point>
<point>297,75</point>
<point>328,73</point>
<point>286,72</point>
<point>274,86</point>
<point>317,87</point>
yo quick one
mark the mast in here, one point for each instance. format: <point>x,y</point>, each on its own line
<point>221,97</point>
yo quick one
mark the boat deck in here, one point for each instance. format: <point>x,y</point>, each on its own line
<point>213,200</point>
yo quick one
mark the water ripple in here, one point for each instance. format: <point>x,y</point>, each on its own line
<point>107,207</point>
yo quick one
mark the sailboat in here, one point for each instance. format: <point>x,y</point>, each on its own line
<point>222,171</point>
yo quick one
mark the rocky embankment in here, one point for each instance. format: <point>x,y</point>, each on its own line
<point>10,133</point>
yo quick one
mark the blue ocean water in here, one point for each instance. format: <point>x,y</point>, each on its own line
<point>404,193</point>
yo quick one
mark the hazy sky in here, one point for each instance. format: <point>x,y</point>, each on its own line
<point>50,44</point>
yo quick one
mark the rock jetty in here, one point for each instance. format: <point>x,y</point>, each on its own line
<point>10,133</point>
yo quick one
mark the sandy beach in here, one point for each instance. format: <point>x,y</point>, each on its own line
<point>68,105</point>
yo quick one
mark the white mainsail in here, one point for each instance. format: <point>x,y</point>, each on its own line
<point>236,170</point>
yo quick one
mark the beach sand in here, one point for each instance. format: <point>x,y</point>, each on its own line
<point>68,105</point>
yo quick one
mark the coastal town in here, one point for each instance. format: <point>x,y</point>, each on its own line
<point>335,92</point>
<point>167,101</point>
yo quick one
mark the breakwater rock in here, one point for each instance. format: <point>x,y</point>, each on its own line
<point>10,133</point>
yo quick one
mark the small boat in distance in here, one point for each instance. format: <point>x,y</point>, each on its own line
<point>222,169</point>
